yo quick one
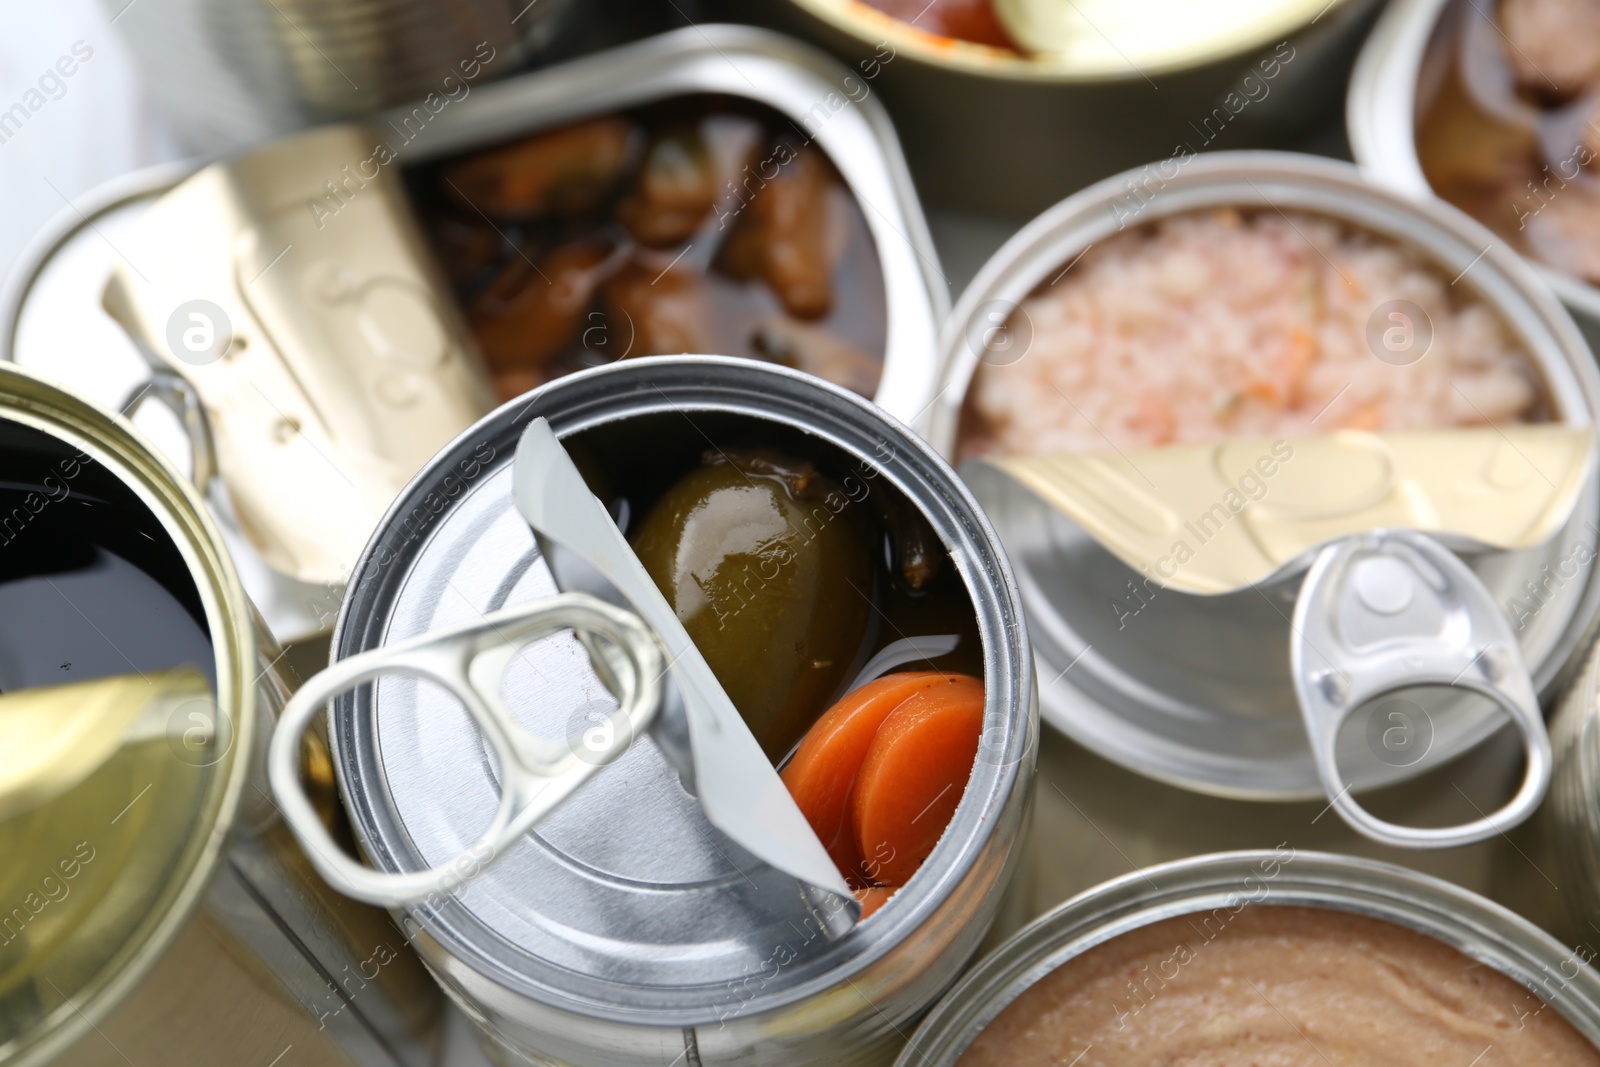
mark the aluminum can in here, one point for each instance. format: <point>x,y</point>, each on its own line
<point>156,908</point>
<point>1478,928</point>
<point>1031,131</point>
<point>1381,119</point>
<point>1212,714</point>
<point>619,931</point>
<point>51,317</point>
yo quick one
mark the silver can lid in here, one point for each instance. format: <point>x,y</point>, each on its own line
<point>626,902</point>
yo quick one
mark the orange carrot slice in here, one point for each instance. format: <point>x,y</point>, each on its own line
<point>874,897</point>
<point>913,776</point>
<point>824,767</point>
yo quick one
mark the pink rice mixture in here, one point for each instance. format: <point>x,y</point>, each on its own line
<point>1217,324</point>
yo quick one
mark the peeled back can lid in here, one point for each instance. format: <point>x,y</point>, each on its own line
<point>625,903</point>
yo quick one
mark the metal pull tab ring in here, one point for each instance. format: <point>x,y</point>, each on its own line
<point>1394,610</point>
<point>536,773</point>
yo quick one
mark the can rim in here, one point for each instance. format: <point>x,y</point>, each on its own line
<point>1009,681</point>
<point>1380,114</point>
<point>872,28</point>
<point>111,440</point>
<point>1502,279</point>
<point>1473,925</point>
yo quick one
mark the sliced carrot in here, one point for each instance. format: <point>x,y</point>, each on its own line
<point>824,767</point>
<point>874,897</point>
<point>913,777</point>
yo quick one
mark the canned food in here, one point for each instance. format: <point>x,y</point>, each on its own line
<point>1195,689</point>
<point>1443,103</point>
<point>1556,886</point>
<point>1111,87</point>
<point>625,928</point>
<point>733,127</point>
<point>51,316</point>
<point>147,875</point>
<point>1193,937</point>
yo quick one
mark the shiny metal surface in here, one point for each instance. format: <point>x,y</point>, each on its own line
<point>625,930</point>
<point>1380,115</point>
<point>1394,611</point>
<point>235,72</point>
<point>813,91</point>
<point>1197,690</point>
<point>1032,131</point>
<point>242,902</point>
<point>1461,919</point>
<point>51,319</point>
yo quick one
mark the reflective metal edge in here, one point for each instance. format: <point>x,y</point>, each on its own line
<point>112,441</point>
<point>771,69</point>
<point>966,888</point>
<point>1380,117</point>
<point>1450,238</point>
<point>1467,922</point>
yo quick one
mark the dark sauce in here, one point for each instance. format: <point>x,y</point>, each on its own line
<point>90,584</point>
<point>703,224</point>
<point>631,465</point>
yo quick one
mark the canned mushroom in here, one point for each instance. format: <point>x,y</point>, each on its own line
<point>850,600</point>
<point>1218,377</point>
<point>1493,108</point>
<point>141,850</point>
<point>1281,957</point>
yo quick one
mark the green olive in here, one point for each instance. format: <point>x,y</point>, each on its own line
<point>766,564</point>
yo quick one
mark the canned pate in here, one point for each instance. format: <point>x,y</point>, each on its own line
<point>625,927</point>
<point>1270,947</point>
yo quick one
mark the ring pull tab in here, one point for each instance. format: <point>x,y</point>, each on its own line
<point>536,773</point>
<point>1393,610</point>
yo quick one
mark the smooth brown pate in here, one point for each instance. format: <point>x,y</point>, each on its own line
<point>1275,986</point>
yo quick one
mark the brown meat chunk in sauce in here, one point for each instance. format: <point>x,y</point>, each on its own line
<point>564,172</point>
<point>781,235</point>
<point>660,312</point>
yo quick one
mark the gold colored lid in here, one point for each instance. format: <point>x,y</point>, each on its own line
<point>1211,519</point>
<point>118,789</point>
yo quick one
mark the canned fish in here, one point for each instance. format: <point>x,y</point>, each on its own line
<point>1282,953</point>
<point>1281,301</point>
<point>147,876</point>
<point>1443,102</point>
<point>626,928</point>
<point>51,317</point>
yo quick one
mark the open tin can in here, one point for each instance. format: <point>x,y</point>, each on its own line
<point>156,907</point>
<point>624,928</point>
<point>1409,67</point>
<point>1217,890</point>
<point>51,317</point>
<point>1205,696</point>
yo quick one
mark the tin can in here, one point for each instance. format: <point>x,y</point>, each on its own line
<point>1556,883</point>
<point>1381,115</point>
<point>239,72</point>
<point>1031,130</point>
<point>1466,922</point>
<point>1235,733</point>
<point>599,937</point>
<point>51,317</point>
<point>155,906</point>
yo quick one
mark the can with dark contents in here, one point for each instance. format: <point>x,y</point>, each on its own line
<point>153,906</point>
<point>624,929</point>
<point>52,319</point>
